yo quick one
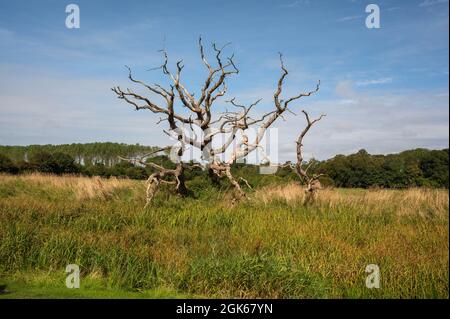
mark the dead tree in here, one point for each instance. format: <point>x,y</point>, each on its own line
<point>225,126</point>
<point>311,181</point>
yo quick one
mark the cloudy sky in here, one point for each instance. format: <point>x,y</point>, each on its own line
<point>384,90</point>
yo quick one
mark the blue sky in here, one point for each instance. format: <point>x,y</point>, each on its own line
<point>384,89</point>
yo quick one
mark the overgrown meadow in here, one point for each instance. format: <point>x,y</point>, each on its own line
<point>270,246</point>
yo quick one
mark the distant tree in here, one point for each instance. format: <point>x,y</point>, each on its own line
<point>85,154</point>
<point>6,165</point>
<point>98,169</point>
<point>24,166</point>
<point>411,168</point>
<point>126,169</point>
<point>56,163</point>
<point>136,172</point>
<point>435,168</point>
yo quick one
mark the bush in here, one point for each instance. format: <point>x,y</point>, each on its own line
<point>126,169</point>
<point>98,169</point>
<point>56,163</point>
<point>6,165</point>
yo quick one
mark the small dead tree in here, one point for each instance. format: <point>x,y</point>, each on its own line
<point>229,127</point>
<point>311,181</point>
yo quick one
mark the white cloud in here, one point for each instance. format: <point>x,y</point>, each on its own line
<point>349,18</point>
<point>374,81</point>
<point>379,122</point>
<point>40,107</point>
<point>295,4</point>
<point>428,3</point>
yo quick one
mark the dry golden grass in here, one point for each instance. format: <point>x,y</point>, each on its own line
<point>420,201</point>
<point>82,187</point>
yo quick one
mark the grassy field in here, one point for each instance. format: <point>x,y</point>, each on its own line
<point>269,246</point>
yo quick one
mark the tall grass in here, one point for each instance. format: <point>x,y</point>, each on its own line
<point>269,246</point>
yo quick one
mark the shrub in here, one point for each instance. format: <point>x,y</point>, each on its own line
<point>6,165</point>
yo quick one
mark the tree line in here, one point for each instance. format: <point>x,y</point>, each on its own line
<point>412,168</point>
<point>87,154</point>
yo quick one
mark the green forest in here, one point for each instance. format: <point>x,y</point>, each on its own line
<point>412,168</point>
